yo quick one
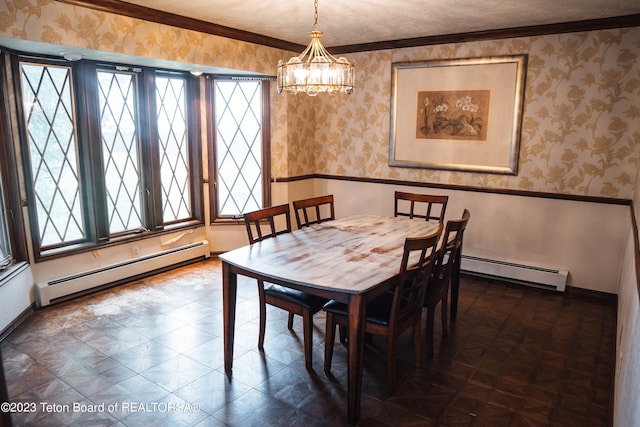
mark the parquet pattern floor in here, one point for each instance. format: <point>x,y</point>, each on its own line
<point>149,353</point>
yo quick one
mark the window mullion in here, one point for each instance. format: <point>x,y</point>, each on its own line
<point>266,143</point>
<point>194,124</point>
<point>8,169</point>
<point>90,148</point>
<point>151,189</point>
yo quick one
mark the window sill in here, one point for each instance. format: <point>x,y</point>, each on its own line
<point>12,271</point>
<point>228,221</point>
<point>51,254</point>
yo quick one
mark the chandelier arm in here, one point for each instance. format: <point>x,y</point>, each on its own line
<point>306,51</point>
<point>318,49</point>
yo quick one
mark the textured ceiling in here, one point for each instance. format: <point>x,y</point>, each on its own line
<point>347,22</point>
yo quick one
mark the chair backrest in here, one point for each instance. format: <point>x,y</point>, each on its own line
<point>277,217</point>
<point>450,247</point>
<point>419,256</point>
<point>314,210</point>
<point>430,206</point>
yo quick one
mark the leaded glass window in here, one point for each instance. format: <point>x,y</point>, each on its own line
<point>111,153</point>
<point>174,148</point>
<point>50,122</point>
<point>238,122</point>
<point>120,144</point>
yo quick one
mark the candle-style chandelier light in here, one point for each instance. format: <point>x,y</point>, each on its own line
<point>315,70</point>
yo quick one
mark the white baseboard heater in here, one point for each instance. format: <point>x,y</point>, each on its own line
<point>517,273</point>
<point>63,288</point>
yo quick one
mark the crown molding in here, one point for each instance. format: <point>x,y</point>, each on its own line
<point>153,15</point>
<point>506,33</point>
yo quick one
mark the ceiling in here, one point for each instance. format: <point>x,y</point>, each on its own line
<point>348,25</point>
<point>348,22</point>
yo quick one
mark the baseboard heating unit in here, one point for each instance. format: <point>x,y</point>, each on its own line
<point>63,288</point>
<point>517,273</point>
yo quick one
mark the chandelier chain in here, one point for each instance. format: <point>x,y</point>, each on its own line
<point>315,15</point>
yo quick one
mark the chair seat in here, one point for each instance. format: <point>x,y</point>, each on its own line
<point>310,302</point>
<point>378,310</point>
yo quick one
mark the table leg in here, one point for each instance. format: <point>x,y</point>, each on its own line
<point>357,313</point>
<point>455,285</point>
<point>229,289</point>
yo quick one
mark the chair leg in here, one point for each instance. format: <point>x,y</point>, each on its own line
<point>445,321</point>
<point>307,329</point>
<point>263,315</point>
<point>416,342</point>
<point>429,331</point>
<point>391,363</point>
<point>455,286</point>
<point>343,334</point>
<point>329,337</point>
<point>368,338</point>
<point>290,321</point>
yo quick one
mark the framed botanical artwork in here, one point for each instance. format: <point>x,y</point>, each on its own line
<point>458,114</point>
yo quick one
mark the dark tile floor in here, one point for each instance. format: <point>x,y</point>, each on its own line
<point>150,354</point>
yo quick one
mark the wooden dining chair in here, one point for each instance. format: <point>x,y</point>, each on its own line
<point>445,264</point>
<point>427,206</point>
<point>314,210</point>
<point>278,219</point>
<point>394,312</point>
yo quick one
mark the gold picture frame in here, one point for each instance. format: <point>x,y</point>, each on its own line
<point>458,114</point>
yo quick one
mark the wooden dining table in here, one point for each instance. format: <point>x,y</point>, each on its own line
<point>351,260</point>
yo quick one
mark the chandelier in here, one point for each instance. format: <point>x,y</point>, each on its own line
<point>318,72</point>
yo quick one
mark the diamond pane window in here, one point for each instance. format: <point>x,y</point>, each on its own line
<point>238,107</point>
<point>51,133</point>
<point>110,151</point>
<point>174,148</point>
<point>120,148</point>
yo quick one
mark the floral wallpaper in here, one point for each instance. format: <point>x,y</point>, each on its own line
<point>63,24</point>
<point>72,27</point>
<point>581,122</point>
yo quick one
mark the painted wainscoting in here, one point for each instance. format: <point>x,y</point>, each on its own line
<point>585,238</point>
<point>626,410</point>
<point>16,296</point>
